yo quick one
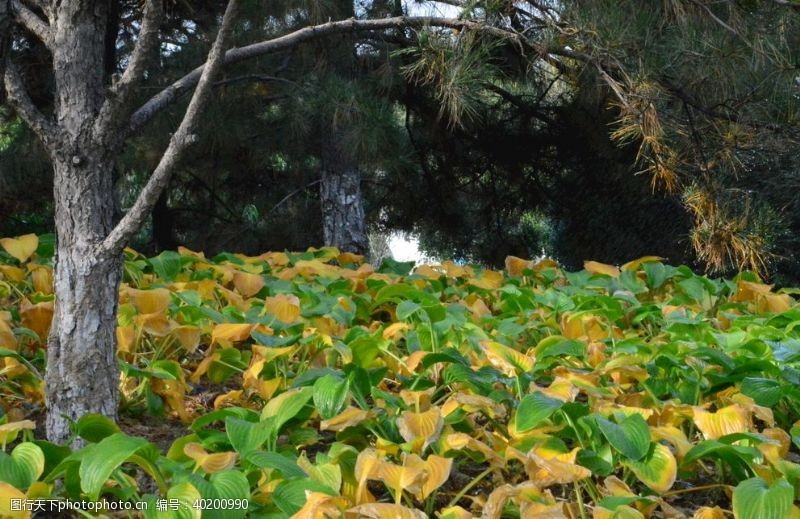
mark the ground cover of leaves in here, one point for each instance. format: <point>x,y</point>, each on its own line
<point>315,385</point>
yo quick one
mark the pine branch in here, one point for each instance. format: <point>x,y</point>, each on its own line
<point>178,144</point>
<point>19,99</point>
<point>117,106</point>
<point>167,96</point>
<point>32,22</point>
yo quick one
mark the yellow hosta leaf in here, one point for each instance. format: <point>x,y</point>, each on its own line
<point>635,264</point>
<point>9,431</point>
<point>515,265</point>
<point>657,470</point>
<point>157,325</point>
<point>285,307</point>
<point>395,331</point>
<point>508,360</point>
<point>21,247</point>
<point>472,404</point>
<point>7,493</point>
<point>706,512</point>
<point>384,511</point>
<point>401,478</point>
<point>780,436</point>
<point>231,398</point>
<point>776,303</point>
<point>367,465</point>
<point>350,417</point>
<point>728,420</point>
<point>233,332</point>
<point>545,469</point>
<point>437,470</point>
<point>153,301</point>
<point>419,400</point>
<point>349,257</point>
<point>12,273</point>
<point>561,388</point>
<point>210,463</point>
<point>126,337</point>
<point>674,436</point>
<point>620,512</point>
<point>421,429</point>
<point>247,284</point>
<point>321,506</point>
<point>7,338</point>
<point>42,279</point>
<point>173,392</point>
<point>489,279</point>
<point>188,336</point>
<point>454,512</point>
<point>37,317</point>
<point>459,441</point>
<point>601,268</point>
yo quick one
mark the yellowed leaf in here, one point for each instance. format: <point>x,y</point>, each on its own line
<point>37,317</point>
<point>42,279</point>
<point>728,420</point>
<point>234,332</point>
<point>321,506</point>
<point>488,279</point>
<point>508,360</point>
<point>285,307</point>
<point>350,417</point>
<point>637,263</point>
<point>437,472</point>
<point>9,431</point>
<point>421,429</point>
<point>12,273</point>
<point>706,512</point>
<point>210,463</point>
<point>7,493</point>
<point>384,511</point>
<point>21,247</point>
<point>152,301</point>
<point>126,337</point>
<point>459,441</point>
<point>601,268</point>
<point>247,284</point>
<point>188,336</point>
<point>515,265</point>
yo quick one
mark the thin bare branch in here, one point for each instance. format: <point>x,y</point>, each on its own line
<point>167,96</point>
<point>117,107</point>
<point>21,102</point>
<point>179,142</point>
<point>32,22</point>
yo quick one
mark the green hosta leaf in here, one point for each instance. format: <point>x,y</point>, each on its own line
<point>755,499</point>
<point>657,470</point>
<point>535,408</point>
<point>166,265</point>
<point>101,459</point>
<point>330,395</point>
<point>631,436</point>
<point>95,427</point>
<point>246,436</point>
<point>187,495</point>
<point>229,484</point>
<point>764,391</point>
<point>279,462</point>
<point>285,406</point>
<point>23,466</point>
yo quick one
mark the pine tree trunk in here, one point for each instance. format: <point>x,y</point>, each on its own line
<point>343,221</point>
<point>343,217</point>
<point>82,374</point>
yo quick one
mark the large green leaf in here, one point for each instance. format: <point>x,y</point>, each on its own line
<point>755,499</point>
<point>285,406</point>
<point>630,437</point>
<point>95,427</point>
<point>535,408</point>
<point>101,459</point>
<point>246,436</point>
<point>23,466</point>
<point>330,395</point>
